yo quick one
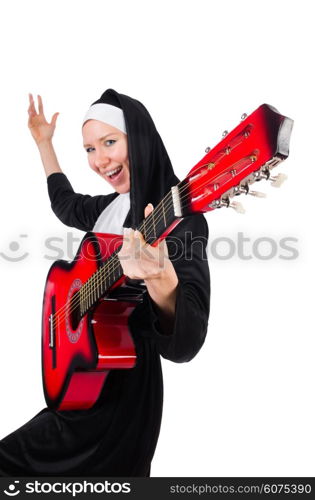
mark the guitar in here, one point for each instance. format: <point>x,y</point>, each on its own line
<point>87,302</point>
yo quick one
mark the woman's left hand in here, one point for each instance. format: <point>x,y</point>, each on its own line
<point>138,259</point>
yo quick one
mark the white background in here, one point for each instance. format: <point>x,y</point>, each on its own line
<point>245,405</point>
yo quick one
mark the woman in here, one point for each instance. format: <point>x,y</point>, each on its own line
<point>118,436</point>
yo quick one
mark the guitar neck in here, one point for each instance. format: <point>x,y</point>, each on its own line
<point>245,155</point>
<point>157,225</point>
<point>162,217</point>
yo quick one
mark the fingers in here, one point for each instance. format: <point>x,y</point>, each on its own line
<point>54,119</point>
<point>133,238</point>
<point>148,209</point>
<point>31,108</point>
<point>133,242</point>
<point>139,237</point>
<point>33,113</point>
<point>128,235</point>
<point>40,105</point>
<point>140,260</point>
<point>163,247</point>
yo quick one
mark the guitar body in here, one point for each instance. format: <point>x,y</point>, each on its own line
<point>77,355</point>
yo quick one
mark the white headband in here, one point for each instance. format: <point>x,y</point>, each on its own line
<point>108,114</point>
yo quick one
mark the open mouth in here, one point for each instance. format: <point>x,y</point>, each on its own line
<point>114,173</point>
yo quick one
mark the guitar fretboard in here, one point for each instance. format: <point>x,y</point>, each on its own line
<point>152,227</point>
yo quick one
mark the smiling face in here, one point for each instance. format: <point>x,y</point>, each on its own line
<point>107,150</point>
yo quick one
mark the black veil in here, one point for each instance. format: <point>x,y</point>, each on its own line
<point>151,171</point>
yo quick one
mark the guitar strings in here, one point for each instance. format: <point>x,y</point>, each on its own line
<point>107,268</point>
<point>113,265</point>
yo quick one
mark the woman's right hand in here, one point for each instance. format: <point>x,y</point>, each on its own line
<point>41,130</point>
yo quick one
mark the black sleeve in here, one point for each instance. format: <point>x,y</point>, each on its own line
<point>187,250</point>
<point>74,209</point>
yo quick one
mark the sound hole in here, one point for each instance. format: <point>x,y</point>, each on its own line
<point>74,312</point>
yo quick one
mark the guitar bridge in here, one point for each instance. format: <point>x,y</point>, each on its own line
<point>51,332</point>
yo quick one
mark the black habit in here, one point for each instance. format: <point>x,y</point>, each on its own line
<point>118,436</point>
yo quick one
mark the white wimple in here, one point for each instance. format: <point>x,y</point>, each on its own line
<point>108,114</point>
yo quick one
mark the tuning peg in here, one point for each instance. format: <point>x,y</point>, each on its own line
<point>258,194</point>
<point>225,133</point>
<point>238,207</point>
<point>278,180</point>
<point>207,149</point>
<point>261,174</point>
<point>242,188</point>
<point>244,115</point>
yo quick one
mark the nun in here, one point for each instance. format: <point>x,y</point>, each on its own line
<point>117,437</point>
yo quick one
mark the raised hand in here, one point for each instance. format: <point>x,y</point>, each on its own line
<point>41,130</point>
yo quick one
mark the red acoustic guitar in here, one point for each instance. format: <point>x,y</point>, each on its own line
<point>87,302</point>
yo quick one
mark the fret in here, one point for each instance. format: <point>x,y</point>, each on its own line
<point>114,270</point>
<point>144,230</point>
<point>153,223</point>
<point>153,226</point>
<point>163,210</point>
<point>105,275</point>
<point>98,284</point>
<point>102,281</point>
<point>104,278</point>
<point>110,267</point>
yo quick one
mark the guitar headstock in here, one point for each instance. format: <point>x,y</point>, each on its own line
<point>244,156</point>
